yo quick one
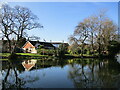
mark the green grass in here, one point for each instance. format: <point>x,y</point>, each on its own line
<point>76,55</point>
<point>3,59</point>
<point>26,55</point>
<point>4,54</point>
<point>35,56</point>
<point>30,54</point>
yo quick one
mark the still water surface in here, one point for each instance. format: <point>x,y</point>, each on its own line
<point>72,73</point>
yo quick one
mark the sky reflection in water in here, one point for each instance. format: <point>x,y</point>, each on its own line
<point>72,73</point>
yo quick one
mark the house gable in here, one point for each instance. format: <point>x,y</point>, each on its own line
<point>28,45</point>
<point>31,46</point>
<point>28,64</point>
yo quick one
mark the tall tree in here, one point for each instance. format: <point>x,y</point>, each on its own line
<point>105,31</point>
<point>15,21</point>
<point>80,35</point>
<point>96,30</point>
<point>91,23</point>
<point>25,20</point>
<point>7,23</point>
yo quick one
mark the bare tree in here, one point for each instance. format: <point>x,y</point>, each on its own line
<point>91,23</point>
<point>7,23</point>
<point>96,30</point>
<point>15,21</point>
<point>108,33</point>
<point>25,20</point>
<point>105,31</point>
<point>80,35</point>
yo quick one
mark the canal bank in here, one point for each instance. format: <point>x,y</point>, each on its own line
<point>38,56</point>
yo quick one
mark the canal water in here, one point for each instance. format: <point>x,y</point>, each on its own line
<point>71,73</point>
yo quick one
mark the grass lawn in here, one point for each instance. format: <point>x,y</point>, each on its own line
<point>4,54</point>
<point>76,55</point>
<point>23,54</point>
<point>3,59</point>
<point>35,56</point>
<point>30,54</point>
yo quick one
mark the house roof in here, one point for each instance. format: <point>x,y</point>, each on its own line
<point>34,42</point>
<point>24,46</point>
<point>28,64</point>
<point>58,43</point>
<point>46,44</point>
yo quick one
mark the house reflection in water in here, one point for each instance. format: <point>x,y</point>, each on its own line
<point>28,64</point>
<point>118,58</point>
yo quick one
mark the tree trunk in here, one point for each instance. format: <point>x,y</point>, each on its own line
<point>9,43</point>
<point>82,49</point>
<point>92,43</point>
<point>99,41</point>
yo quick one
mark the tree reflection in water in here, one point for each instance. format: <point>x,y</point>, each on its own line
<point>11,77</point>
<point>95,74</point>
<point>11,73</point>
<point>84,73</point>
<point>12,69</point>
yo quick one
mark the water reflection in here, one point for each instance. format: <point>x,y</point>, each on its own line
<point>104,74</point>
<point>10,75</point>
<point>72,73</point>
<point>28,64</point>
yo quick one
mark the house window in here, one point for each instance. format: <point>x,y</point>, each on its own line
<point>27,50</point>
<point>30,49</point>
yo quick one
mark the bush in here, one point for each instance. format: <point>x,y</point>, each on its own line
<point>49,52</point>
<point>113,48</point>
<point>85,51</point>
<point>78,51</point>
<point>18,50</point>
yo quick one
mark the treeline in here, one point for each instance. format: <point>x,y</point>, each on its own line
<point>95,35</point>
